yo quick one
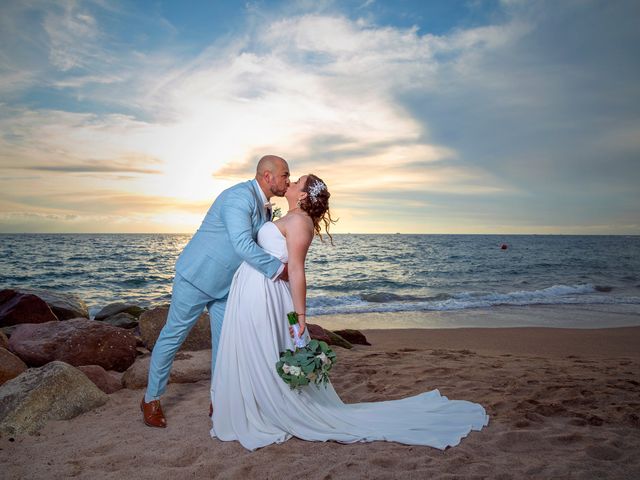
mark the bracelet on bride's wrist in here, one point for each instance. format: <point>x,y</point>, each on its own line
<point>301,314</point>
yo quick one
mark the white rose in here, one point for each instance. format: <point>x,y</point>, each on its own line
<point>295,371</point>
<point>325,360</point>
<point>286,369</point>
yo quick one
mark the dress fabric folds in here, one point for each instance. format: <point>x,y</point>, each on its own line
<point>254,406</point>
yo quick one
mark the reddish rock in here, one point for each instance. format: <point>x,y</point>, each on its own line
<point>77,342</point>
<point>318,333</point>
<point>4,341</point>
<point>64,305</point>
<point>337,340</point>
<point>353,336</point>
<point>151,322</point>
<point>10,365</point>
<point>104,380</point>
<point>18,307</point>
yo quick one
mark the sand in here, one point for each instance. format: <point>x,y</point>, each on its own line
<point>564,403</point>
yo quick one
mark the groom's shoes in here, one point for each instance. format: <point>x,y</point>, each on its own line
<point>152,414</point>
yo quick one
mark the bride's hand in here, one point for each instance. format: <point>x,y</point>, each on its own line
<point>302,329</point>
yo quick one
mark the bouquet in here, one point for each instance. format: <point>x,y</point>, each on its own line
<point>306,364</point>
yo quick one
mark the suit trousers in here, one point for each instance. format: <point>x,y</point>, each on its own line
<point>187,304</point>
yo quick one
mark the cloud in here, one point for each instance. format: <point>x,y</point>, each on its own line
<point>91,167</point>
<point>517,119</point>
<point>72,33</point>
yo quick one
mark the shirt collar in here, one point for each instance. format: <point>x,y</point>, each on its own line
<point>262,195</point>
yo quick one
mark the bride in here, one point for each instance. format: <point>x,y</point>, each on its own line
<point>254,406</point>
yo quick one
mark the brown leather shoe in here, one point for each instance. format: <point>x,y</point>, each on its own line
<point>210,409</point>
<point>152,414</point>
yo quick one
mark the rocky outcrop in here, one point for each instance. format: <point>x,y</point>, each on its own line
<point>122,320</point>
<point>337,340</point>
<point>18,307</point>
<point>105,381</point>
<point>64,305</point>
<point>319,333</point>
<point>77,342</point>
<point>10,365</point>
<point>152,321</point>
<point>188,367</point>
<point>353,336</point>
<point>119,307</point>
<point>4,341</point>
<point>56,391</point>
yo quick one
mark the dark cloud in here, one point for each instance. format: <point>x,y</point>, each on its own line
<point>537,111</point>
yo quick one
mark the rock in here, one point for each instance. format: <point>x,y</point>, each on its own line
<point>353,336</point>
<point>56,391</point>
<point>142,351</point>
<point>4,341</point>
<point>337,340</point>
<point>318,333</point>
<point>10,365</point>
<point>64,305</point>
<point>104,380</point>
<point>122,320</point>
<point>152,321</point>
<point>78,342</point>
<point>115,308</point>
<point>8,331</point>
<point>188,367</point>
<point>18,307</point>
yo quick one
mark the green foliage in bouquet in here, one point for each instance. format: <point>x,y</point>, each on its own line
<point>309,364</point>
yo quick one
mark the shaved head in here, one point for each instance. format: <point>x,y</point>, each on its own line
<point>268,163</point>
<point>272,174</point>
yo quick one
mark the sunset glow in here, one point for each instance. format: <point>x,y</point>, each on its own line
<point>426,119</point>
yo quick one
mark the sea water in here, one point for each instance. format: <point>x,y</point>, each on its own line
<point>358,274</point>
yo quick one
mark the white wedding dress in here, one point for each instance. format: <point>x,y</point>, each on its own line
<point>255,407</point>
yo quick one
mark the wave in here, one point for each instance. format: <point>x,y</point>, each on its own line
<point>386,302</point>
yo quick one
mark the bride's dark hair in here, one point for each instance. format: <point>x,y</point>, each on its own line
<point>316,204</point>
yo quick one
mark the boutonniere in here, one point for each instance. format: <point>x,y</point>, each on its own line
<point>277,213</point>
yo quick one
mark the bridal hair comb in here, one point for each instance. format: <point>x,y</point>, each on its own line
<point>315,189</point>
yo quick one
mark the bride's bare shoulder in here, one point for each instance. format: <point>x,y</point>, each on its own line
<point>296,224</point>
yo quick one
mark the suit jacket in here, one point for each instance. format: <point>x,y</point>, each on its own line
<point>226,238</point>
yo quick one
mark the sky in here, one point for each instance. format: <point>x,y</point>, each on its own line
<point>443,116</point>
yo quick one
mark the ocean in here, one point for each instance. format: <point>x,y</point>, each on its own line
<point>359,274</point>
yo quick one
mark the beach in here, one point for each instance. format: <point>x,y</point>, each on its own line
<point>563,403</point>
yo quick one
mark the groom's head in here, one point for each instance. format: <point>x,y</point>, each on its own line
<point>272,175</point>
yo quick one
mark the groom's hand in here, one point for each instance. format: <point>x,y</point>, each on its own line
<point>284,275</point>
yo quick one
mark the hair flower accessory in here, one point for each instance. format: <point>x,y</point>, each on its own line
<point>315,189</point>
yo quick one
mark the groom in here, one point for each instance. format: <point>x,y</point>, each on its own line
<point>204,270</point>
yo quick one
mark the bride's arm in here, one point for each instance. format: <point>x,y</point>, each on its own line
<point>299,234</point>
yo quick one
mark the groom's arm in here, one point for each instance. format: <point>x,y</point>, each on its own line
<point>236,215</point>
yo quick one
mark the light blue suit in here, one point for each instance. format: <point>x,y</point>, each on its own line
<point>204,271</point>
